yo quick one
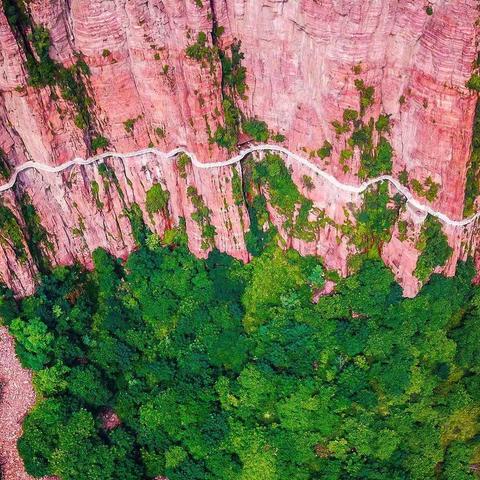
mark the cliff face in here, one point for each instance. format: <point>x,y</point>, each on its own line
<point>308,62</point>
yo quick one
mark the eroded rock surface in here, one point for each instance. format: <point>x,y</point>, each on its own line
<point>302,59</point>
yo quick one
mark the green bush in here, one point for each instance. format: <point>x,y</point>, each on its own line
<point>472,185</point>
<point>429,189</point>
<point>160,132</point>
<point>234,74</point>
<point>129,124</point>
<point>11,234</point>
<point>157,199</point>
<point>384,157</point>
<point>325,150</point>
<point>198,50</point>
<point>383,123</point>
<point>44,71</point>
<point>201,216</point>
<point>434,248</point>
<point>376,161</point>
<point>474,82</point>
<point>350,115</point>
<point>183,162</point>
<point>140,231</point>
<point>403,177</point>
<point>99,142</point>
<point>226,136</point>
<point>285,197</point>
<point>367,95</point>
<point>237,188</point>
<point>16,13</point>
<point>374,221</point>
<point>278,137</point>
<point>5,168</point>
<point>37,237</point>
<point>257,129</point>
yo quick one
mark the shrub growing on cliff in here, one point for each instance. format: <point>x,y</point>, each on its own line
<point>237,188</point>
<point>325,150</point>
<point>129,124</point>
<point>16,14</point>
<point>182,163</point>
<point>201,216</point>
<point>278,137</point>
<point>383,123</point>
<point>384,157</point>
<point>284,195</point>
<point>472,187</point>
<point>234,74</point>
<point>157,199</point>
<point>403,177</point>
<point>198,50</point>
<point>257,129</point>
<point>377,160</point>
<point>5,168</point>
<point>99,142</point>
<point>42,72</point>
<point>429,189</point>
<point>375,220</point>
<point>474,82</point>
<point>434,248</point>
<point>367,95</point>
<point>11,234</point>
<point>225,138</point>
<point>37,236</point>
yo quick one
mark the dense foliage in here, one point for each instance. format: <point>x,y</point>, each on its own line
<point>220,370</point>
<point>301,219</point>
<point>472,185</point>
<point>156,199</point>
<point>257,129</point>
<point>374,221</point>
<point>474,82</point>
<point>434,248</point>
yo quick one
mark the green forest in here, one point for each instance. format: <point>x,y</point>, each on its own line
<point>219,370</point>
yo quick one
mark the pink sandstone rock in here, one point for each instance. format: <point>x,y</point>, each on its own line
<point>110,420</point>
<point>299,58</point>
<point>327,289</point>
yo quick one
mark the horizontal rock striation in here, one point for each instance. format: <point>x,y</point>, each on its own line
<point>303,61</point>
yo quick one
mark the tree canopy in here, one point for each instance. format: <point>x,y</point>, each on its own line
<point>223,371</point>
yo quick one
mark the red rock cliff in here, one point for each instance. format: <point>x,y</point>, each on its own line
<point>302,59</point>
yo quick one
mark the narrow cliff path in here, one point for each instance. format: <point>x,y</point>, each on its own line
<point>41,167</point>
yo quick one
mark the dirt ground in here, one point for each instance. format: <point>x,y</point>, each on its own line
<point>16,398</point>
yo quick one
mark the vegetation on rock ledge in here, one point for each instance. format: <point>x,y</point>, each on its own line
<point>434,248</point>
<point>472,186</point>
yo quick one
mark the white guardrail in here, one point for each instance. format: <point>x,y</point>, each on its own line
<point>41,167</point>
